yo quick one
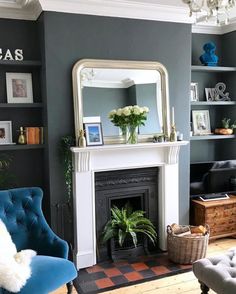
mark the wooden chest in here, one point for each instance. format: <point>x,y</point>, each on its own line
<point>220,215</point>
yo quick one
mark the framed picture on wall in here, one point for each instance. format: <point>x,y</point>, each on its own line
<point>5,132</point>
<point>201,122</point>
<point>93,134</point>
<point>19,87</point>
<point>194,92</point>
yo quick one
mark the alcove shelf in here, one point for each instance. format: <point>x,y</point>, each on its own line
<point>212,103</point>
<point>21,147</point>
<point>211,137</point>
<point>20,62</point>
<point>21,105</point>
<point>203,68</point>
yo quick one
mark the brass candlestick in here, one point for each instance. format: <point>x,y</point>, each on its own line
<point>22,137</point>
<point>82,140</point>
<point>173,134</point>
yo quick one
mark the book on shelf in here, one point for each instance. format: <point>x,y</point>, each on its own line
<point>34,135</point>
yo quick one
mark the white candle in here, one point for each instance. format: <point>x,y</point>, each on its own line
<point>173,116</point>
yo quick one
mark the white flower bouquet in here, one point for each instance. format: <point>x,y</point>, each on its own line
<point>129,117</point>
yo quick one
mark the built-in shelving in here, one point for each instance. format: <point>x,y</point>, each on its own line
<point>212,103</point>
<point>21,147</point>
<point>211,137</point>
<point>203,68</point>
<point>21,105</point>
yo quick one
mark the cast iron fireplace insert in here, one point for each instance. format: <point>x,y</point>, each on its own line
<point>139,187</point>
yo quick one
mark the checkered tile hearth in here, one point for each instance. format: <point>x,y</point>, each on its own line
<point>110,275</point>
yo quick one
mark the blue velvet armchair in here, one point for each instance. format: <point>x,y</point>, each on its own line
<point>20,210</point>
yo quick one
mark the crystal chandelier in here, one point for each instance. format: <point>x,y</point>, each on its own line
<point>208,9</point>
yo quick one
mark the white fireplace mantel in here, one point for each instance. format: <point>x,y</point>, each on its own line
<point>89,160</point>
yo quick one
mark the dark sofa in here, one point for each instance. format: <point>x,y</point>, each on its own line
<point>221,177</point>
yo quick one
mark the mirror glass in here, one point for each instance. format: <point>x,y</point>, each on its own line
<point>101,86</point>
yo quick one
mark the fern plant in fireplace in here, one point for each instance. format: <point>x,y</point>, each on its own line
<point>127,225</point>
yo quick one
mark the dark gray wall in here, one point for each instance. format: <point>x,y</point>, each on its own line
<point>70,37</point>
<point>229,46</point>
<point>20,34</point>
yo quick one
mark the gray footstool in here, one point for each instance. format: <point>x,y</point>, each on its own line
<point>217,273</point>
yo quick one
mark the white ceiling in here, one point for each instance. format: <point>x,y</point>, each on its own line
<point>161,10</point>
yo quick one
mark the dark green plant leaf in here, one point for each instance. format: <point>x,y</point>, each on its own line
<point>66,156</point>
<point>121,236</point>
<point>124,222</point>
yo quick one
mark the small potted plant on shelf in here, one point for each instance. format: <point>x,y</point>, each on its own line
<point>227,128</point>
<point>126,230</point>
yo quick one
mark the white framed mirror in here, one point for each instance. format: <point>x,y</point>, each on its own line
<point>100,86</point>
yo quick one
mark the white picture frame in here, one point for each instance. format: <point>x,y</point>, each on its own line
<point>5,132</point>
<point>19,87</point>
<point>93,134</point>
<point>194,92</point>
<point>201,122</point>
<point>210,94</point>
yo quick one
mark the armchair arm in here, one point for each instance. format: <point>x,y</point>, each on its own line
<point>48,243</point>
<point>53,246</point>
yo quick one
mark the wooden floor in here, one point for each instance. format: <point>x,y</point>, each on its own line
<point>183,283</point>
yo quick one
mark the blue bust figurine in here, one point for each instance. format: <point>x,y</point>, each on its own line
<point>209,58</point>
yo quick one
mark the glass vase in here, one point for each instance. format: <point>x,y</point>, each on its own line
<point>125,133</point>
<point>133,135</point>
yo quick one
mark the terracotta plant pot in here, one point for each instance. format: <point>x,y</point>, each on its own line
<point>222,131</point>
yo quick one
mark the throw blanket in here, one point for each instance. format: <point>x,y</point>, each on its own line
<point>14,266</point>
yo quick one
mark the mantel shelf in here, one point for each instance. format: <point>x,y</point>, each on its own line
<point>212,103</point>
<point>110,147</point>
<point>203,68</point>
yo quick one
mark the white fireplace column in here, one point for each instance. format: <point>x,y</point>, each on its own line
<point>89,160</point>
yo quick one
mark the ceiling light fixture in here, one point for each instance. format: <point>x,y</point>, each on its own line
<point>207,9</point>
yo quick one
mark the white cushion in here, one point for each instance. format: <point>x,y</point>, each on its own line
<point>14,266</point>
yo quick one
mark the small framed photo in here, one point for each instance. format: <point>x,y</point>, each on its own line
<point>5,132</point>
<point>93,134</point>
<point>194,92</point>
<point>201,122</point>
<point>210,94</point>
<point>19,87</point>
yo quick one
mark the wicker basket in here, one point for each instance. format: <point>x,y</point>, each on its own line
<point>186,249</point>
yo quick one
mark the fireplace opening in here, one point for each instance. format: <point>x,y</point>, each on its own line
<point>137,188</point>
<point>134,202</point>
